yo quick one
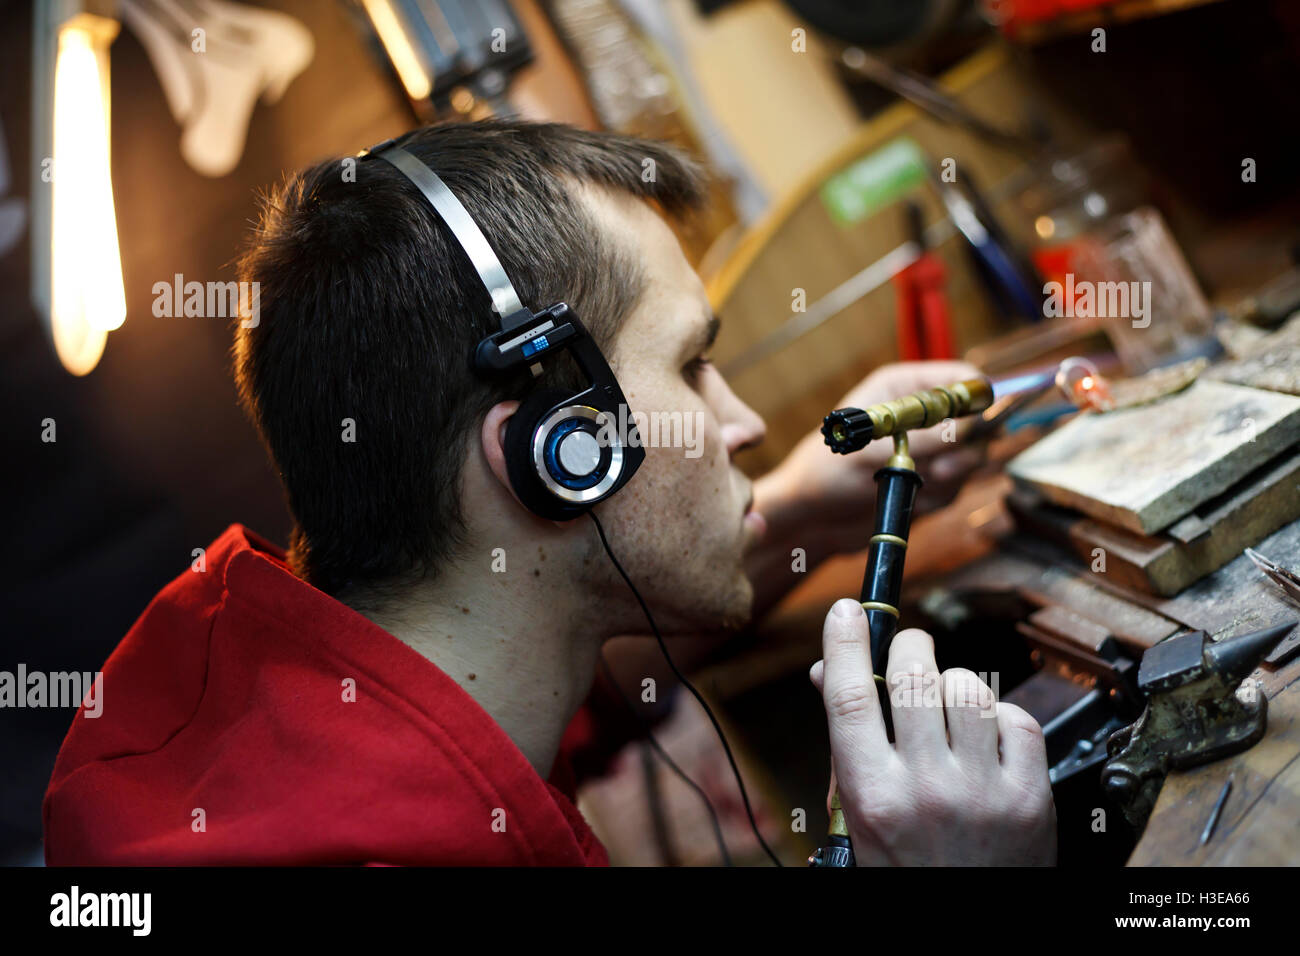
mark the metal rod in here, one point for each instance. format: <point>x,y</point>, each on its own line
<point>1213,822</point>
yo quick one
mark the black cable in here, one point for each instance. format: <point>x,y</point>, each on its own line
<point>663,755</point>
<point>744,794</point>
<point>655,804</point>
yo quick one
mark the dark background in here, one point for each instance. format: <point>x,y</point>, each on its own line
<point>153,457</point>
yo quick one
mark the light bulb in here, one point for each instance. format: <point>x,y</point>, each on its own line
<point>87,298</point>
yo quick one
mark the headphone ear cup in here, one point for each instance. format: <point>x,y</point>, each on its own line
<point>520,465</point>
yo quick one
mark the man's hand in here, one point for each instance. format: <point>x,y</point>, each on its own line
<point>965,782</point>
<point>822,503</point>
<point>829,496</point>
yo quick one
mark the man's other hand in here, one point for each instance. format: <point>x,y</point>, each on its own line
<point>835,491</point>
<point>965,781</point>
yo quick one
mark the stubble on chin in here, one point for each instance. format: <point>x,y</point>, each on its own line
<point>739,610</point>
<point>727,608</point>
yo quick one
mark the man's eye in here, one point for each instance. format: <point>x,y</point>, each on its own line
<point>695,366</point>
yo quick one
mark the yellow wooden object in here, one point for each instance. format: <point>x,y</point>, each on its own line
<point>799,246</point>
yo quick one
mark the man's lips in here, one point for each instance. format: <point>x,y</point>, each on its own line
<point>754,520</point>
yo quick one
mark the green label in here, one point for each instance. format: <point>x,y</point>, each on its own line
<point>874,181</point>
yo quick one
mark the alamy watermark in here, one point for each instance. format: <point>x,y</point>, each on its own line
<point>654,430</point>
<point>208,300</point>
<point>1084,299</point>
<point>24,688</point>
<point>929,689</point>
<point>132,911</point>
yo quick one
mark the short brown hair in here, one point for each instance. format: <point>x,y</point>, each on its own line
<point>369,310</point>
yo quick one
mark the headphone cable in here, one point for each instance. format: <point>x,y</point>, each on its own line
<point>672,765</point>
<point>663,647</point>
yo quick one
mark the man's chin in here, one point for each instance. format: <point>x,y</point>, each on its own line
<point>712,613</point>
<point>740,611</point>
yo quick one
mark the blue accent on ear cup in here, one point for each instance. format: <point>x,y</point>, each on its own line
<point>551,451</point>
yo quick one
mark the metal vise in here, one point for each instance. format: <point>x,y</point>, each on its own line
<point>1195,713</point>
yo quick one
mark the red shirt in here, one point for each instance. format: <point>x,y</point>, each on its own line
<point>226,737</point>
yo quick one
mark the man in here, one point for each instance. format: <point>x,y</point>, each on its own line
<point>397,689</point>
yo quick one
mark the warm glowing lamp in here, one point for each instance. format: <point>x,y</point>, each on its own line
<point>393,35</point>
<point>77,281</point>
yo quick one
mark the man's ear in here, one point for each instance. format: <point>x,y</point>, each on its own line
<point>493,438</point>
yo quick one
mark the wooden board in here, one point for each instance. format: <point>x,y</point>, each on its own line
<point>1272,362</point>
<point>1194,546</point>
<point>1041,585</point>
<point>1092,636</point>
<point>1144,468</point>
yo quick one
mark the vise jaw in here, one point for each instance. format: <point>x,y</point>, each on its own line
<point>1196,711</point>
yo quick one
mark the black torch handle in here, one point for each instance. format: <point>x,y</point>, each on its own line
<point>882,586</point>
<point>882,589</point>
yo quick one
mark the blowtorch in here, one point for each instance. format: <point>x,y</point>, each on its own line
<point>847,430</point>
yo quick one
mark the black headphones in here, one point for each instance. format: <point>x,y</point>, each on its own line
<point>564,452</point>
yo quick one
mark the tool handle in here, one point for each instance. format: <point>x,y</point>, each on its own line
<point>882,585</point>
<point>882,588</point>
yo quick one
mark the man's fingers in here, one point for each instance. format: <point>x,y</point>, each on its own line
<point>1024,753</point>
<point>971,714</point>
<point>915,376</point>
<point>857,729</point>
<point>903,378</point>
<point>955,465</point>
<point>915,695</point>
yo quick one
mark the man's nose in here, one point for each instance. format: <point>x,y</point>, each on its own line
<point>742,426</point>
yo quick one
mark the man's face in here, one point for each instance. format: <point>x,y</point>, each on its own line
<point>679,526</point>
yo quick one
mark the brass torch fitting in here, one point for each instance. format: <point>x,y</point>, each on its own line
<point>902,456</point>
<point>923,409</point>
<point>848,429</point>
